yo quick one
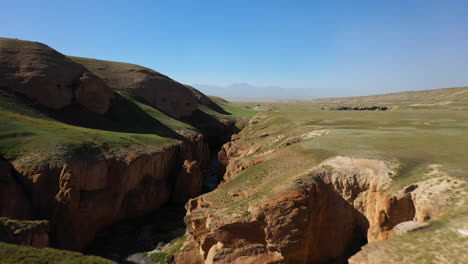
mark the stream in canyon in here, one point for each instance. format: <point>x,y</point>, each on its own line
<point>128,241</point>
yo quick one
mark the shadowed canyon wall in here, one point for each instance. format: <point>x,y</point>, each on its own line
<point>84,195</point>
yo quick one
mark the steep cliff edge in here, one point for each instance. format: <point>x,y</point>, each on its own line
<point>322,217</point>
<point>76,196</point>
<point>282,204</point>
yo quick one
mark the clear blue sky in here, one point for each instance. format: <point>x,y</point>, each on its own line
<point>326,48</point>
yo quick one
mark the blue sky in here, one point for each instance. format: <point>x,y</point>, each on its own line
<point>308,48</point>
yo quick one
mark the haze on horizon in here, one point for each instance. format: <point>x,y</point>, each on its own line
<point>287,49</point>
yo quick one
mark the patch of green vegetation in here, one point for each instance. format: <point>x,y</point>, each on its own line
<point>233,112</point>
<point>12,254</point>
<point>159,257</point>
<point>177,245</point>
<point>174,247</point>
<point>440,243</point>
<point>166,120</point>
<point>44,140</point>
<point>13,224</point>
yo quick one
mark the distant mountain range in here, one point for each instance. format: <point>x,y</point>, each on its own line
<point>247,92</point>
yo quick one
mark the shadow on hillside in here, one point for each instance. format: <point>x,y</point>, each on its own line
<point>137,235</point>
<point>123,116</point>
<point>216,132</point>
<point>215,107</point>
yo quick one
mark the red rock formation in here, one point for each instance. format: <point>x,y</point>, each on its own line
<point>13,201</point>
<point>323,217</point>
<point>189,181</point>
<point>83,196</point>
<point>231,158</point>
<point>26,233</point>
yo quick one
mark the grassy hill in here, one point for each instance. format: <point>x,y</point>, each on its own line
<point>444,96</point>
<point>12,254</point>
<point>33,134</point>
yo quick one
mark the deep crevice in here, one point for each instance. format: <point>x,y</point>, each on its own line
<point>126,241</point>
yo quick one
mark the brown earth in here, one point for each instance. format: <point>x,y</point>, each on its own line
<point>158,90</point>
<point>45,75</point>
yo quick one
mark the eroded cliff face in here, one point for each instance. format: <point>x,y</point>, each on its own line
<point>82,196</point>
<point>26,233</point>
<point>322,217</point>
<point>13,199</point>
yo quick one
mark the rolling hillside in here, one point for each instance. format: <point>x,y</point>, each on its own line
<point>444,96</point>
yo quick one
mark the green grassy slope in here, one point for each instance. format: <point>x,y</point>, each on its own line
<point>12,254</point>
<point>414,139</point>
<point>35,135</point>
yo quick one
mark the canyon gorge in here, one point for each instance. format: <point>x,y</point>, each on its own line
<point>120,161</point>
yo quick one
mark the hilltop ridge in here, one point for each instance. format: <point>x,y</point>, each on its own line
<point>441,96</point>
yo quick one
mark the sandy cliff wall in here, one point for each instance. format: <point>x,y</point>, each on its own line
<point>82,196</point>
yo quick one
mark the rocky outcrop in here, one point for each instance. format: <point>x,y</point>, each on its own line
<point>158,90</point>
<point>47,76</point>
<point>82,196</point>
<point>26,233</point>
<point>323,217</point>
<point>231,157</point>
<point>189,179</point>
